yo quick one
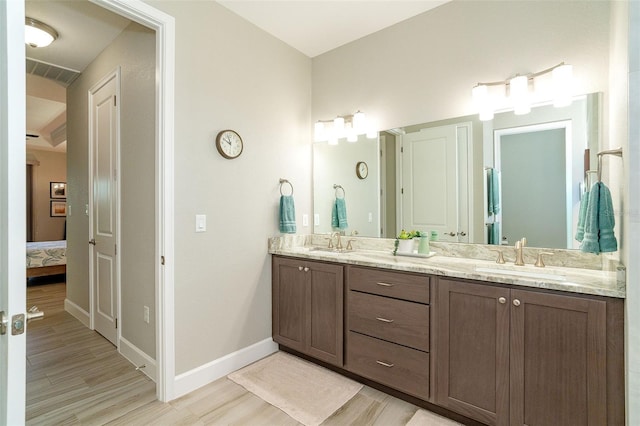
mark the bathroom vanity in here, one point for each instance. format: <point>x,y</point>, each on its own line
<point>495,347</point>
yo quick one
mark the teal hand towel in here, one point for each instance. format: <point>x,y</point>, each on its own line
<point>582,216</point>
<point>339,214</point>
<point>287,215</point>
<point>493,189</point>
<point>599,222</point>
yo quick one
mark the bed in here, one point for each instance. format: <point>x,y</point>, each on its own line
<point>46,258</point>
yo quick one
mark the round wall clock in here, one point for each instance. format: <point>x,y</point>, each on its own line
<point>362,170</point>
<point>229,144</point>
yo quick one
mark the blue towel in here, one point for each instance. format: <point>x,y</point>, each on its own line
<point>287,215</point>
<point>339,214</point>
<point>582,216</point>
<point>493,190</point>
<point>599,222</point>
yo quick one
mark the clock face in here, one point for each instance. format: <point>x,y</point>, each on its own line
<point>362,170</point>
<point>229,144</point>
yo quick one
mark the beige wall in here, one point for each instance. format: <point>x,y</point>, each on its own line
<point>232,75</point>
<point>423,69</point>
<point>52,168</point>
<point>134,52</point>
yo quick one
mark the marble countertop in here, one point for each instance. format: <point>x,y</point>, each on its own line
<point>575,280</point>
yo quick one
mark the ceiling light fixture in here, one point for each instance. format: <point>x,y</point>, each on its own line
<point>343,126</point>
<point>38,34</point>
<point>518,94</point>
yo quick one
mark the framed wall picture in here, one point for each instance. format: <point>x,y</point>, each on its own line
<point>58,189</point>
<point>58,208</point>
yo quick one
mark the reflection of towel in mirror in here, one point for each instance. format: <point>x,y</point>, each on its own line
<point>287,215</point>
<point>493,191</point>
<point>493,230</point>
<point>599,222</point>
<point>582,216</point>
<point>339,214</point>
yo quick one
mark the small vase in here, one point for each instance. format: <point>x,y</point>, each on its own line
<point>405,246</point>
<point>423,247</point>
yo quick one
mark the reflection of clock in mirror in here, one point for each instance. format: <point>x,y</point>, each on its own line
<point>229,144</point>
<point>362,170</point>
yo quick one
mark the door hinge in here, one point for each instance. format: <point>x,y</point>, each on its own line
<point>162,260</point>
<point>402,190</point>
<point>116,322</point>
<point>116,249</point>
<point>115,103</point>
<point>402,150</point>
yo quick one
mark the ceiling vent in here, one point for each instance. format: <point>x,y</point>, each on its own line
<point>64,76</point>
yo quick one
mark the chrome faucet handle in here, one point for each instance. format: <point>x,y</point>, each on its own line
<point>540,263</point>
<point>500,258</point>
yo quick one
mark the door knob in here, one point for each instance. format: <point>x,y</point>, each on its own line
<point>34,313</point>
<point>92,241</point>
<point>3,323</point>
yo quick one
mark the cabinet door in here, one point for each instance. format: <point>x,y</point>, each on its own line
<point>558,360</point>
<point>325,312</point>
<point>472,345</point>
<point>289,302</point>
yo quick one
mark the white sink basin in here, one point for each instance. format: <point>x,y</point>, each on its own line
<point>524,274</point>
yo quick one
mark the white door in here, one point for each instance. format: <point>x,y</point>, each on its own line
<point>12,210</point>
<point>104,130</point>
<point>433,195</point>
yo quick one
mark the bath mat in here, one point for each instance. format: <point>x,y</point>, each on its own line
<point>305,391</point>
<point>427,418</point>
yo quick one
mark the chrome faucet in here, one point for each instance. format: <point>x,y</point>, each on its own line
<point>519,255</point>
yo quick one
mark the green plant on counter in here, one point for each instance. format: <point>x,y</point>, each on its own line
<point>404,235</point>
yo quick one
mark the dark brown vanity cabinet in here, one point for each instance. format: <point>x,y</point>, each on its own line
<point>525,357</point>
<point>388,328</point>
<point>308,307</point>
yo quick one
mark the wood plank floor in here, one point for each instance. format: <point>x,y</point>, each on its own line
<point>75,376</point>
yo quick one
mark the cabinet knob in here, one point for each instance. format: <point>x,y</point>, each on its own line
<point>306,269</point>
<point>516,302</point>
<point>462,234</point>
<point>502,300</point>
<point>451,234</point>
<point>299,268</point>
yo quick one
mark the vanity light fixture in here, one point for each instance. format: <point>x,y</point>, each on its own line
<point>38,34</point>
<point>518,94</point>
<point>343,126</point>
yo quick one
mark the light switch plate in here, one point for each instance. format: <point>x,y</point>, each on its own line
<point>305,220</point>
<point>316,219</point>
<point>201,222</point>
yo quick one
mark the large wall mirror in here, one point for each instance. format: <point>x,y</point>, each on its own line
<point>445,176</point>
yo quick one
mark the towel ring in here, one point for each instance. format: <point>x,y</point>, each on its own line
<point>337,187</point>
<point>282,182</point>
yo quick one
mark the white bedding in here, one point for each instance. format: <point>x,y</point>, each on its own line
<point>46,253</point>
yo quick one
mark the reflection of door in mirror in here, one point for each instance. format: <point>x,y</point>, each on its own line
<point>535,164</point>
<point>435,181</point>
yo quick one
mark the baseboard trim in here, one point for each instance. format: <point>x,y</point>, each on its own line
<point>137,357</point>
<point>207,373</point>
<point>79,313</point>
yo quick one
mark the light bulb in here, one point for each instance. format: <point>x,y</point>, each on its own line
<point>359,122</point>
<point>562,90</point>
<point>319,132</point>
<point>480,95</point>
<point>519,93</point>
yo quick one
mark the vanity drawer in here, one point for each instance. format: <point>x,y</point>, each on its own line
<point>399,285</point>
<point>397,321</point>
<point>392,365</point>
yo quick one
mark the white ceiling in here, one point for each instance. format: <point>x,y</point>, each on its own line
<point>311,26</point>
<point>316,26</point>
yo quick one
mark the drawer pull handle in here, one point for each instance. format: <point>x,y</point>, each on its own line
<point>384,319</point>
<point>385,284</point>
<point>386,364</point>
